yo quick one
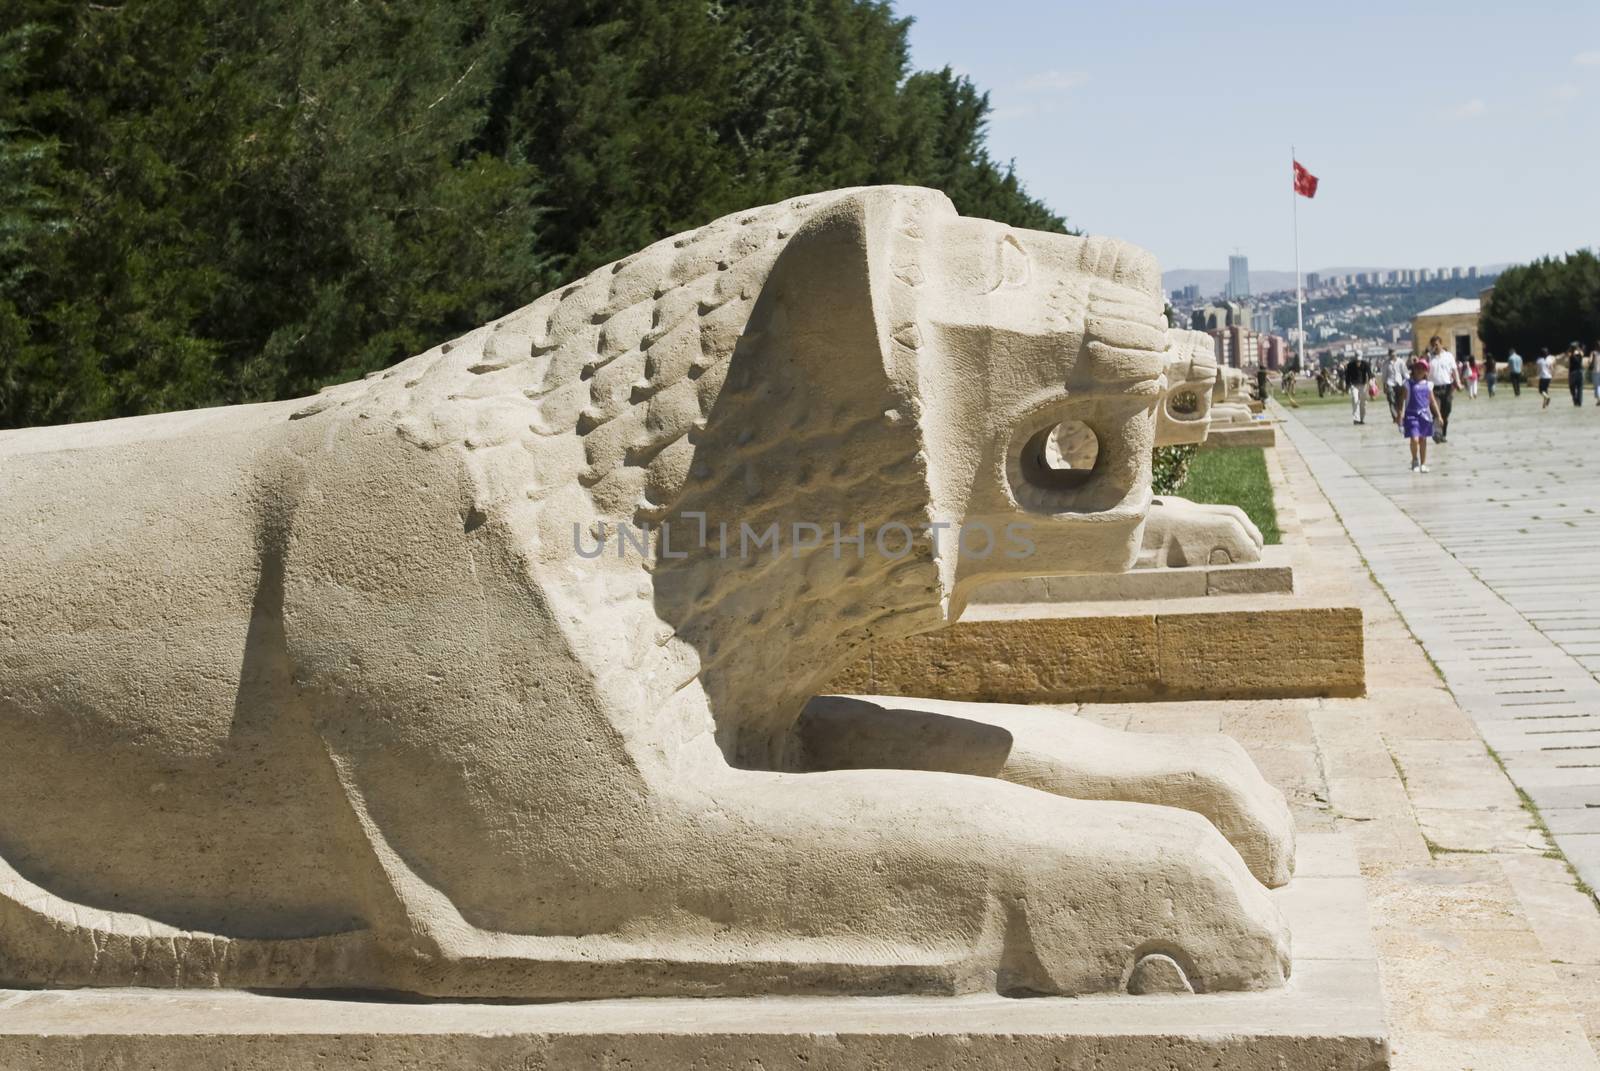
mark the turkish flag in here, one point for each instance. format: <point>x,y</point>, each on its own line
<point>1305,183</point>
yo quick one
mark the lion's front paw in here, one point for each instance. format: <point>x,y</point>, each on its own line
<point>1189,917</point>
<point>1229,790</point>
<point>1192,533</point>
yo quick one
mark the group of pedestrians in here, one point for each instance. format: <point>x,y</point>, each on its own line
<point>1577,363</point>
<point>1421,392</point>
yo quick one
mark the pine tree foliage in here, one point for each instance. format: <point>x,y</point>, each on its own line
<point>205,202</point>
<point>1549,303</point>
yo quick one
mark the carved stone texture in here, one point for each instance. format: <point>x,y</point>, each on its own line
<point>1191,374</point>
<point>1180,533</point>
<point>340,692</point>
<point>1230,399</point>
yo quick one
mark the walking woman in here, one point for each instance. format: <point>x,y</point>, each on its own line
<point>1417,419</point>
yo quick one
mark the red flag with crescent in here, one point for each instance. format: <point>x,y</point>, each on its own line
<point>1305,183</point>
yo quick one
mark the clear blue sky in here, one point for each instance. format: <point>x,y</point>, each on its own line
<point>1444,133</point>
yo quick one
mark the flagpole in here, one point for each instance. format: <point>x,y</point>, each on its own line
<point>1299,288</point>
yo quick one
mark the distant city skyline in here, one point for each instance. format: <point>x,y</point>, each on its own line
<point>1443,133</point>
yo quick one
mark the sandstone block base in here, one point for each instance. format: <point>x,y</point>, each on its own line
<point>1272,575</point>
<point>1238,647</point>
<point>1260,433</point>
<point>1329,1018</point>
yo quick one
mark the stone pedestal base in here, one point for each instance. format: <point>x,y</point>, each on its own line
<point>1329,1018</point>
<point>1259,433</point>
<point>1236,647</point>
<point>1272,575</point>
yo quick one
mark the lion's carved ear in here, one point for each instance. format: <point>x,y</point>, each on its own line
<point>822,305</point>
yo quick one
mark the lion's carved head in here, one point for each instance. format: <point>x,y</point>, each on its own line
<point>1184,415</point>
<point>837,365</point>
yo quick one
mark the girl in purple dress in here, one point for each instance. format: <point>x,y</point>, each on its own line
<point>1416,417</point>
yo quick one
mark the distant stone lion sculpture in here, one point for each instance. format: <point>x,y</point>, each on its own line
<point>1184,414</point>
<point>1230,398</point>
<point>408,686</point>
<point>1180,532</point>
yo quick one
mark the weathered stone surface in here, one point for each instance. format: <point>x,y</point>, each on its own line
<point>1256,434</point>
<point>1185,410</point>
<point>1182,533</point>
<point>1272,575</point>
<point>1060,652</point>
<point>368,691</point>
<point>1330,1019</point>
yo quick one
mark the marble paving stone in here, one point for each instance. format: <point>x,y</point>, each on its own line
<point>1486,560</point>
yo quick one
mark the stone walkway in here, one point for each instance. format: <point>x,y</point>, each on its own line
<point>1488,951</point>
<point>1493,559</point>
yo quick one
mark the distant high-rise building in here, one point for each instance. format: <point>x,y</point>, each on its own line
<point>1313,280</point>
<point>1191,293</point>
<point>1392,279</point>
<point>1238,277</point>
<point>1455,273</point>
<point>1422,275</point>
<point>1472,272</point>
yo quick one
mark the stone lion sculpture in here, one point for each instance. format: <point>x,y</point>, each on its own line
<point>1184,415</point>
<point>1180,532</point>
<point>341,693</point>
<point>1230,398</point>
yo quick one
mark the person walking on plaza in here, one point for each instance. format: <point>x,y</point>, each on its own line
<point>1514,367</point>
<point>1356,374</point>
<point>1396,373</point>
<point>1594,370</point>
<point>1488,373</point>
<point>1419,414</point>
<point>1575,372</point>
<point>1261,382</point>
<point>1472,379</point>
<point>1445,377</point>
<point>1546,369</point>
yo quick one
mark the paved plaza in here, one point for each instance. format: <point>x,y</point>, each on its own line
<point>1488,950</point>
<point>1491,559</point>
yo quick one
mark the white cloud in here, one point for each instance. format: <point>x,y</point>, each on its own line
<point>1053,82</point>
<point>1590,58</point>
<point>1472,109</point>
<point>1566,92</point>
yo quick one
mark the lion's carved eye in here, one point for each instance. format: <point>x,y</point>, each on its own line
<point>1184,403</point>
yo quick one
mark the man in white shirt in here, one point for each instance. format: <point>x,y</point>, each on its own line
<point>1445,377</point>
<point>1395,374</point>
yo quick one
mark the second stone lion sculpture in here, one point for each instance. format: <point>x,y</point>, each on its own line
<point>340,693</point>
